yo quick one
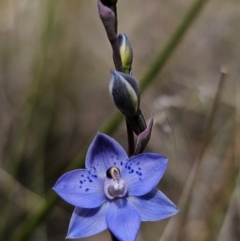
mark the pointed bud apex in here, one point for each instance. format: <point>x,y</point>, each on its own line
<point>144,137</point>
<point>126,52</point>
<point>125,92</point>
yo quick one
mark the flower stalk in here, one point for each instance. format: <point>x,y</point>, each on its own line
<point>126,97</point>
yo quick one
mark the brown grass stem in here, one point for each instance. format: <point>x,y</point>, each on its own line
<point>177,222</point>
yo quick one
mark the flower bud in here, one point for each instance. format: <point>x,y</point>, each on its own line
<point>107,15</point>
<point>126,52</point>
<point>125,92</point>
<point>144,137</point>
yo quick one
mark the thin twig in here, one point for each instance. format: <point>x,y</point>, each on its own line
<point>176,222</point>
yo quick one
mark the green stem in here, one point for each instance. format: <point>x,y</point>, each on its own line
<point>31,101</point>
<point>25,119</point>
<point>171,45</point>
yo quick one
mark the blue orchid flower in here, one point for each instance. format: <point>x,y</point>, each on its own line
<point>114,191</point>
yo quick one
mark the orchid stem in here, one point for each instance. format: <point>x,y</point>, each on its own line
<point>131,145</point>
<point>116,55</point>
<point>119,67</point>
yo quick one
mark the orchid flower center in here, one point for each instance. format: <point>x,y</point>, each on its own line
<point>114,185</point>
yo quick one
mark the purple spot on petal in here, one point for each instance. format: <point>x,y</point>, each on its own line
<point>81,182</point>
<point>87,189</point>
<point>121,163</point>
<point>82,175</point>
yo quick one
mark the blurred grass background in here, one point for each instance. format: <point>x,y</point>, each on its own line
<point>54,74</point>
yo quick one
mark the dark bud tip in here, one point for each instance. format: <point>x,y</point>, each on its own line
<point>109,3</point>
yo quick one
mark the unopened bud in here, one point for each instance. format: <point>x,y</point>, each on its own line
<point>144,137</point>
<point>126,52</point>
<point>125,92</point>
<point>108,18</point>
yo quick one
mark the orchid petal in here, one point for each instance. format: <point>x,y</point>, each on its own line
<point>143,172</point>
<point>87,222</point>
<point>81,188</point>
<point>103,153</point>
<point>123,219</point>
<point>153,206</point>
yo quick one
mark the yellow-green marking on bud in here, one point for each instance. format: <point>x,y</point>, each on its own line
<point>126,52</point>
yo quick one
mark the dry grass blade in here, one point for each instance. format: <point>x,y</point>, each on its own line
<point>176,222</point>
